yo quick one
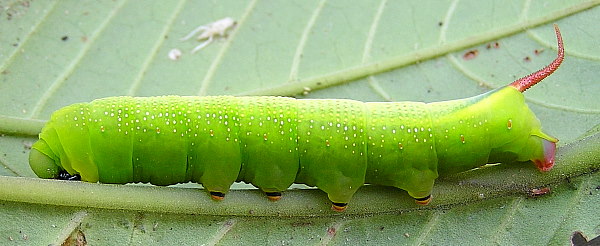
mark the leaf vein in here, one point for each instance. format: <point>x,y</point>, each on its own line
<point>27,37</point>
<point>300,48</point>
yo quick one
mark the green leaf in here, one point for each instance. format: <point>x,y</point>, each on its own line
<point>55,53</point>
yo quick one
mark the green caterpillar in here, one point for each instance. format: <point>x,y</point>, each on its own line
<point>272,142</point>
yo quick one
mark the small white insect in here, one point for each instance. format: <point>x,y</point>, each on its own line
<point>209,31</point>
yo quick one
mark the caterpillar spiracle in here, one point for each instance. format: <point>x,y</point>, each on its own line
<point>272,142</point>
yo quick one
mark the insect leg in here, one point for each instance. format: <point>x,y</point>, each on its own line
<point>202,45</point>
<point>200,28</point>
<point>423,200</point>
<point>339,206</point>
<point>64,175</point>
<point>273,196</point>
<point>217,196</point>
<point>339,201</point>
<point>420,189</point>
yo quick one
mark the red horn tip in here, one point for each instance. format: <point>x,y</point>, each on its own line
<point>528,81</point>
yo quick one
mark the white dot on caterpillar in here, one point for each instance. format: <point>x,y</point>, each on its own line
<point>326,142</point>
<point>462,138</point>
<point>265,137</point>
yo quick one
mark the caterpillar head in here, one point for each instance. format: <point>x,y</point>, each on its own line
<point>41,162</point>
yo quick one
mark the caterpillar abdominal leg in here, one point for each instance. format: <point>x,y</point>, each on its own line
<point>217,196</point>
<point>273,196</point>
<point>423,200</point>
<point>339,206</point>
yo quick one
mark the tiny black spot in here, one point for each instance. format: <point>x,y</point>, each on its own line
<point>440,23</point>
<point>64,38</point>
